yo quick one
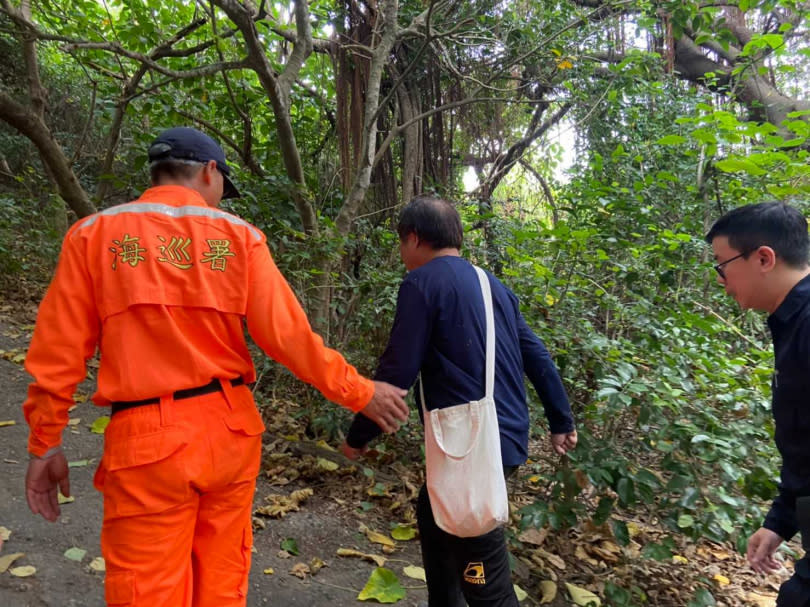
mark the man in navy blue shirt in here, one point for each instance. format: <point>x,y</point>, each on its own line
<point>762,254</point>
<point>439,331</point>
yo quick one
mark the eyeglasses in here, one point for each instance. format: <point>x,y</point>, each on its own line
<point>719,267</point>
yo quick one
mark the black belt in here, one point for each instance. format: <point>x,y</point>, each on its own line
<point>214,386</point>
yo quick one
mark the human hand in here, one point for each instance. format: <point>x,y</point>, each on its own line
<point>351,452</point>
<point>41,482</point>
<point>761,546</point>
<point>563,443</point>
<point>387,407</point>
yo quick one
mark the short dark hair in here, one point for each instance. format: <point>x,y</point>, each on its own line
<point>433,220</point>
<point>773,224</point>
<point>172,169</point>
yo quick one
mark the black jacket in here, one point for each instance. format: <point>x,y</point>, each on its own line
<point>790,329</point>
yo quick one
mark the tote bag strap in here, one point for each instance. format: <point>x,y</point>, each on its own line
<point>486,291</point>
<point>489,388</point>
<point>489,316</point>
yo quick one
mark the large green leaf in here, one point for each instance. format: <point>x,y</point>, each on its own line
<point>382,586</point>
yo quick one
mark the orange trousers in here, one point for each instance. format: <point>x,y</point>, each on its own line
<point>178,480</point>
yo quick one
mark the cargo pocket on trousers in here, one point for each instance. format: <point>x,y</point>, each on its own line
<point>245,420</point>
<point>119,588</point>
<point>143,449</point>
<point>143,474</point>
<point>247,549</point>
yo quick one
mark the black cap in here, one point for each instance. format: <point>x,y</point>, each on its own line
<point>184,143</point>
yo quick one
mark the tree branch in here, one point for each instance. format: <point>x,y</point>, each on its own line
<point>116,48</point>
<point>274,87</point>
<point>504,164</point>
<point>555,216</point>
<point>31,126</point>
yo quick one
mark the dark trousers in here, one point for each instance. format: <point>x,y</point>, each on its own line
<point>796,591</point>
<point>459,569</point>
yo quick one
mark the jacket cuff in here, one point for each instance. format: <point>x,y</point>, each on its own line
<point>38,448</point>
<point>362,396</point>
<point>564,428</point>
<point>784,530</point>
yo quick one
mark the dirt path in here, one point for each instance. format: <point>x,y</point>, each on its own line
<point>324,523</point>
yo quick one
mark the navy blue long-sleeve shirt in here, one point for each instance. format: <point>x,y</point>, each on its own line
<point>440,329</point>
<point>790,329</point>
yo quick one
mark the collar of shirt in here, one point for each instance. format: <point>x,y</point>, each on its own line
<point>793,302</point>
<point>173,195</point>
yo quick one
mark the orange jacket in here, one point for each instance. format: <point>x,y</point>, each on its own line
<point>161,285</point>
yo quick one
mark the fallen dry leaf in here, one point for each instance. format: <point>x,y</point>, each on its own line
<point>326,465</point>
<point>414,572</point>
<point>721,555</point>
<point>300,570</point>
<point>100,424</point>
<point>279,505</point>
<point>377,538</point>
<point>24,571</point>
<point>7,560</point>
<point>403,532</point>
<point>534,536</point>
<point>548,592</point>
<point>581,554</point>
<point>607,551</point>
<point>374,558</point>
<point>582,596</point>
<point>316,564</point>
<point>98,564</point>
<point>551,558</point>
<point>75,554</point>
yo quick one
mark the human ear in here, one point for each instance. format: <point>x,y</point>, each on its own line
<point>767,258</point>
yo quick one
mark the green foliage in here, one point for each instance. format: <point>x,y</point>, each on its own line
<point>290,545</point>
<point>29,239</point>
<point>670,385</point>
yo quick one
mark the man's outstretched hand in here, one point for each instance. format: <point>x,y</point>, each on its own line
<point>761,546</point>
<point>387,408</point>
<point>42,480</point>
<point>563,443</point>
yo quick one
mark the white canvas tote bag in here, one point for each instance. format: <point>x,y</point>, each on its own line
<point>465,479</point>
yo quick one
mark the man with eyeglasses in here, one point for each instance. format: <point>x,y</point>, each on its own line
<point>163,286</point>
<point>762,261</point>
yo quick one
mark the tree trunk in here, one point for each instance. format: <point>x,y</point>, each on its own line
<point>411,147</point>
<point>54,159</point>
<point>114,134</point>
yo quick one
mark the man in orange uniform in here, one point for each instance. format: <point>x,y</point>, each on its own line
<point>162,286</point>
